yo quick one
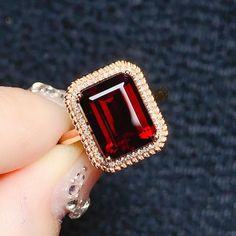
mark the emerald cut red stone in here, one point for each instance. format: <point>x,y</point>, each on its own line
<point>117,115</point>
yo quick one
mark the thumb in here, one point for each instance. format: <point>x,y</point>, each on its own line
<point>33,200</point>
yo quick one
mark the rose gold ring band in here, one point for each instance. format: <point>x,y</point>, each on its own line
<point>70,137</point>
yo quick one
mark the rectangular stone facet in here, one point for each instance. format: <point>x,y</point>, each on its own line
<point>117,115</point>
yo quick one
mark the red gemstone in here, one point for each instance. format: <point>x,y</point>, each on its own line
<point>118,118</point>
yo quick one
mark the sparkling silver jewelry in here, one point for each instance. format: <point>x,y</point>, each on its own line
<point>53,94</point>
<point>75,205</point>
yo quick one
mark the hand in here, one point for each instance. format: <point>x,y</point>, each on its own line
<point>35,172</point>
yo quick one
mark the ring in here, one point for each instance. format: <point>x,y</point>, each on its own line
<point>115,116</point>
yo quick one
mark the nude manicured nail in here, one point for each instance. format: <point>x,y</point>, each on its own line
<point>71,194</point>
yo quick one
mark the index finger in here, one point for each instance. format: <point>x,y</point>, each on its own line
<point>30,126</point>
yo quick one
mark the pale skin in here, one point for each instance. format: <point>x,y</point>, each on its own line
<point>31,162</point>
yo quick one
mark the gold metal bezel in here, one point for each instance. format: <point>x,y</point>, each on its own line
<point>81,124</point>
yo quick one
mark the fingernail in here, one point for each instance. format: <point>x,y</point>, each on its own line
<point>71,195</point>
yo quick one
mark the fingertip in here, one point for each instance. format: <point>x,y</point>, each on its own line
<point>31,126</point>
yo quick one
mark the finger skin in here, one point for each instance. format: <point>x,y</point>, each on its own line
<point>30,126</point>
<point>27,198</point>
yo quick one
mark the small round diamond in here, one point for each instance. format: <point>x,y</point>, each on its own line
<point>81,208</point>
<point>74,190</point>
<point>71,205</point>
